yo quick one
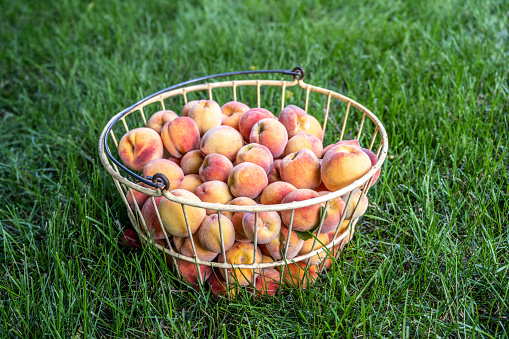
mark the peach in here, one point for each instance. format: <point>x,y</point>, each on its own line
<point>373,158</point>
<point>266,258</point>
<point>267,282</point>
<point>153,225</point>
<point>173,159</point>
<point>321,188</point>
<point>139,197</point>
<point>190,273</point>
<point>232,112</point>
<point>207,115</point>
<point>250,118</point>
<point>215,167</point>
<point>171,170</point>
<point>342,229</point>
<point>274,174</point>
<point>296,275</point>
<point>158,119</point>
<point>201,252</point>
<point>214,192</point>
<point>247,180</point>
<point>321,240</point>
<point>139,146</point>
<point>256,154</point>
<point>305,218</point>
<point>294,119</point>
<point>342,165</point>
<point>172,214</point>
<point>187,107</point>
<point>180,136</point>
<point>334,212</point>
<point>303,140</point>
<point>191,162</point>
<point>270,133</point>
<point>267,226</point>
<point>301,169</point>
<point>354,200</point>
<point>223,140</point>
<point>274,193</point>
<point>210,235</point>
<point>178,242</point>
<point>332,255</point>
<point>218,285</point>
<point>190,182</point>
<point>353,142</point>
<point>236,217</point>
<point>277,246</point>
<point>315,128</point>
<point>241,253</point>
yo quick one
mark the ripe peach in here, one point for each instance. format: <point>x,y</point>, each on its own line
<point>236,217</point>
<point>187,107</point>
<point>334,212</point>
<point>305,218</point>
<point>356,195</point>
<point>190,182</point>
<point>191,162</point>
<point>270,133</point>
<point>342,165</point>
<point>267,226</point>
<point>267,282</point>
<point>139,146</point>
<point>172,214</point>
<point>274,174</point>
<point>178,242</point>
<point>241,253</point>
<point>171,170</point>
<point>215,192</point>
<point>274,193</point>
<point>173,159</point>
<point>139,197</point>
<point>232,112</point>
<point>321,240</point>
<point>277,246</point>
<point>190,273</point>
<point>296,275</point>
<point>342,229</point>
<point>210,233</point>
<point>303,140</point>
<point>373,158</point>
<point>223,140</point>
<point>353,142</point>
<point>294,119</point>
<point>201,252</point>
<point>301,169</point>
<point>256,154</point>
<point>207,115</point>
<point>180,136</point>
<point>215,167</point>
<point>247,180</point>
<point>315,128</point>
<point>250,118</point>
<point>153,225</point>
<point>218,285</point>
<point>158,119</point>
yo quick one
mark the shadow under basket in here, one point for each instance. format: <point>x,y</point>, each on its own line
<point>336,113</point>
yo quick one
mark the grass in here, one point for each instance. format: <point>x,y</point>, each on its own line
<point>430,258</point>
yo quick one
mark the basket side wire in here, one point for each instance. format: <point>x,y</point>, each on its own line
<point>168,242</point>
<point>223,252</point>
<point>317,233</point>
<point>190,234</point>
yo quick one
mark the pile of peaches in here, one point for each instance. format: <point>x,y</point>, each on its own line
<point>237,155</point>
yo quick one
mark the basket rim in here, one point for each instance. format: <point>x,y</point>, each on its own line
<point>252,208</point>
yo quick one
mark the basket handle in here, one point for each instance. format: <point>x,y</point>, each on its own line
<point>159,180</point>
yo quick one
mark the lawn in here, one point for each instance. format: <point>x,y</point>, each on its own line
<point>430,257</point>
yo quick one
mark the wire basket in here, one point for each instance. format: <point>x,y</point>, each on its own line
<point>344,114</point>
